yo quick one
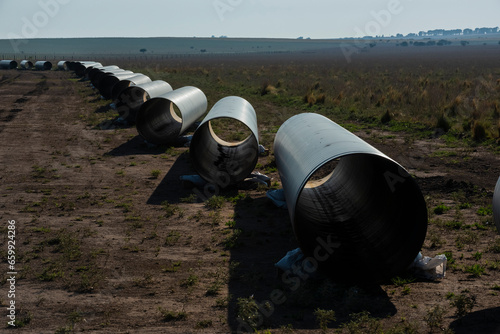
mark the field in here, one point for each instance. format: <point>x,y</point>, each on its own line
<point>108,240</point>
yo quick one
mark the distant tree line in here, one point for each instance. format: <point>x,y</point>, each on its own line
<point>444,32</point>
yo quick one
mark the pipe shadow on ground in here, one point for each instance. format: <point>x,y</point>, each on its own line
<point>138,146</point>
<point>269,298</point>
<point>481,322</point>
<point>171,189</point>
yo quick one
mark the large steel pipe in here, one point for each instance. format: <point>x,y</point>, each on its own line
<point>81,66</point>
<point>108,82</point>
<point>8,64</point>
<point>43,65</point>
<point>363,219</point>
<point>120,86</point>
<point>221,162</point>
<point>130,100</point>
<point>26,65</point>
<point>496,205</point>
<point>63,65</point>
<point>163,119</point>
<point>101,75</point>
<point>91,72</point>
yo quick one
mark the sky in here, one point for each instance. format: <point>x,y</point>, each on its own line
<point>239,18</point>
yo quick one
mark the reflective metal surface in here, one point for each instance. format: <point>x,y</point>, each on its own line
<point>221,162</point>
<point>26,65</point>
<point>63,65</point>
<point>157,120</point>
<point>81,66</point>
<point>93,70</point>
<point>43,65</point>
<point>362,216</point>
<point>109,81</point>
<point>130,100</point>
<point>101,75</point>
<point>125,83</point>
<point>8,64</point>
<point>496,205</point>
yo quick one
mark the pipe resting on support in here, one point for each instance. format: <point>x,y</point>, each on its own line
<point>356,213</point>
<point>496,205</point>
<point>130,100</point>
<point>109,81</point>
<point>136,79</point>
<point>220,162</point>
<point>159,123</point>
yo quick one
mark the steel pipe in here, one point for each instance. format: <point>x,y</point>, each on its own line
<point>125,83</point>
<point>157,120</point>
<point>8,64</point>
<point>366,220</point>
<point>496,205</point>
<point>43,65</point>
<point>99,76</point>
<point>220,162</point>
<point>26,65</point>
<point>130,100</point>
<point>81,66</point>
<point>91,72</point>
<point>109,81</point>
<point>63,65</point>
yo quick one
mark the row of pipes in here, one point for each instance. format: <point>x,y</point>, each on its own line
<point>41,65</point>
<point>356,213</point>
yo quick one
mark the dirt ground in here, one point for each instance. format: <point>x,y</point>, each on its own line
<point>99,250</point>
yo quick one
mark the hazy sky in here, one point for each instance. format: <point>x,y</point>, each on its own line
<point>239,18</point>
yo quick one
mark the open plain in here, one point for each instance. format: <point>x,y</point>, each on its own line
<point>108,240</point>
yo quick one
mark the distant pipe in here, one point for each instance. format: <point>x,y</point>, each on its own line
<point>109,81</point>
<point>91,72</point>
<point>130,100</point>
<point>63,65</point>
<point>125,83</point>
<point>43,65</point>
<point>157,120</point>
<point>81,67</point>
<point>99,76</point>
<point>366,220</point>
<point>496,205</point>
<point>220,162</point>
<point>8,64</point>
<point>26,65</point>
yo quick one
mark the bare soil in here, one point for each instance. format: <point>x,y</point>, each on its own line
<point>97,251</point>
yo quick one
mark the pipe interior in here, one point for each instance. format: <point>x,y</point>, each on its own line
<point>129,102</point>
<point>159,121</point>
<point>370,209</point>
<point>220,161</point>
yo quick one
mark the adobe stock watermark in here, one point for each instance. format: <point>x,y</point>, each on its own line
<point>223,6</point>
<point>293,279</point>
<point>31,26</point>
<point>381,19</point>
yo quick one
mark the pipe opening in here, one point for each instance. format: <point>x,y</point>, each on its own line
<point>159,121</point>
<point>365,206</point>
<point>223,161</point>
<point>228,131</point>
